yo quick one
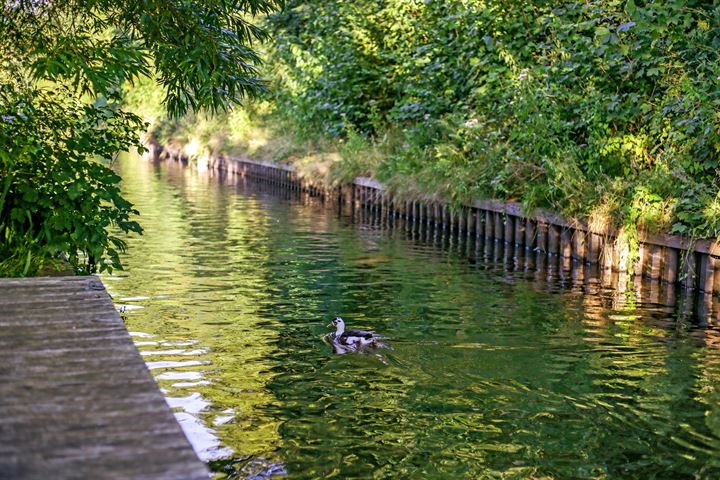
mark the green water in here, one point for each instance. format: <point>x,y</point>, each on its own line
<point>490,374</point>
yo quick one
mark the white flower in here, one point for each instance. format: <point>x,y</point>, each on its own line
<point>471,123</point>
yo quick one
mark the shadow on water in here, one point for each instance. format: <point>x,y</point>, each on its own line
<point>502,362</point>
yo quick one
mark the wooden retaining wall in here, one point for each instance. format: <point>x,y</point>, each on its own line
<point>666,259</point>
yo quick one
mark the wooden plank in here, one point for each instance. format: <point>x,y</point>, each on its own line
<point>76,398</point>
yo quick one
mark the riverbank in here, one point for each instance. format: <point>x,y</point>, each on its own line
<point>261,133</point>
<point>671,259</point>
<point>599,113</point>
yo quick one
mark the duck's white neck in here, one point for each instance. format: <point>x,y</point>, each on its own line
<point>340,328</point>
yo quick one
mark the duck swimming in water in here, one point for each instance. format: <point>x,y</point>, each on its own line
<point>353,339</point>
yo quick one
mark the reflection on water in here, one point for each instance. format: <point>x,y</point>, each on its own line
<point>499,367</point>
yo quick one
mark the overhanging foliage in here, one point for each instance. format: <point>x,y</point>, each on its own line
<point>62,70</point>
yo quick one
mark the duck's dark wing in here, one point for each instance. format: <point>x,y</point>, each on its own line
<point>359,333</point>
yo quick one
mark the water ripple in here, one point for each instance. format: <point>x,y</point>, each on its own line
<point>494,371</point>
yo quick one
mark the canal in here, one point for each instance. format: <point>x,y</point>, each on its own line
<point>490,373</point>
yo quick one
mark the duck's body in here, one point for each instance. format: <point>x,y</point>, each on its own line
<point>353,339</point>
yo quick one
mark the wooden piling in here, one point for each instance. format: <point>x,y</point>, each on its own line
<point>498,226</point>
<point>471,222</point>
<point>462,217</point>
<point>509,230</point>
<point>670,272</point>
<point>706,275</point>
<point>642,259</point>
<point>489,226</point>
<point>530,234</point>
<point>689,266</point>
<point>519,231</point>
<point>594,247</point>
<point>553,240</point>
<point>479,223</point>
<point>579,248</point>
<point>716,274</point>
<point>662,257</point>
<point>655,263</point>
<point>542,238</point>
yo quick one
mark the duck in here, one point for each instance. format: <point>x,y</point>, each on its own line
<point>353,339</point>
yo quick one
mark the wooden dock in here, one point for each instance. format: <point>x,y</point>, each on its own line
<point>76,399</point>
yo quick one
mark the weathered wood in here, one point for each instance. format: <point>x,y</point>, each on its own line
<point>689,270</point>
<point>705,279</point>
<point>579,249</point>
<point>542,237</point>
<point>655,262</point>
<point>530,233</point>
<point>499,227</point>
<point>76,398</point>
<point>519,231</point>
<point>461,217</point>
<point>479,223</point>
<point>553,240</point>
<point>594,247</point>
<point>716,274</point>
<point>671,265</point>
<point>641,260</point>
<point>509,234</point>
<point>608,256</point>
<point>621,254</point>
<point>489,225</point>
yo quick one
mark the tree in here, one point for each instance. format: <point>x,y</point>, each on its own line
<point>61,76</point>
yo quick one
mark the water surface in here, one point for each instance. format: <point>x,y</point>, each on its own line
<point>493,371</point>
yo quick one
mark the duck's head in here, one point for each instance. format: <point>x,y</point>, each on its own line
<point>339,324</point>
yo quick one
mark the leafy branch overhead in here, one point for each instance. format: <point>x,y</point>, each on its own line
<point>62,73</point>
<point>200,51</point>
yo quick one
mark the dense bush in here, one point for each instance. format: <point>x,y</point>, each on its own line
<point>604,107</point>
<point>56,201</point>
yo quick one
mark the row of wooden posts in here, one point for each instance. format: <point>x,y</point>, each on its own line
<point>563,241</point>
<point>660,258</point>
